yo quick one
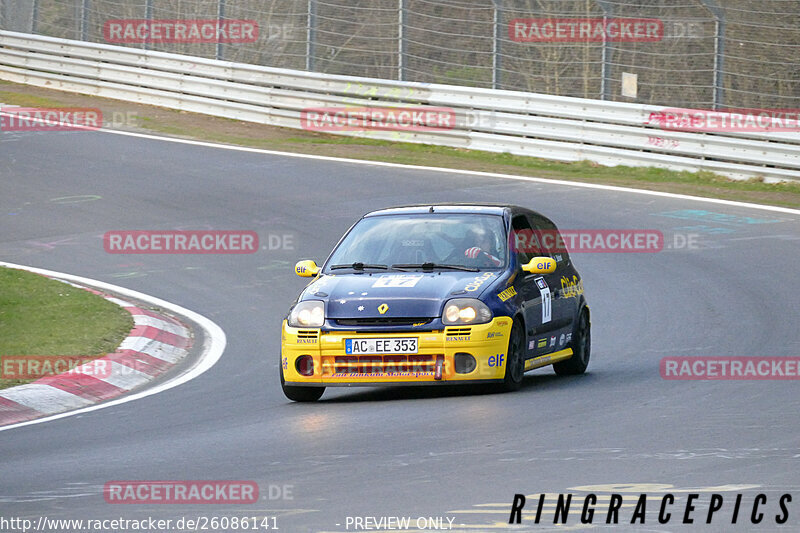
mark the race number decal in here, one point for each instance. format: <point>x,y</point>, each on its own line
<point>547,303</point>
<point>399,280</point>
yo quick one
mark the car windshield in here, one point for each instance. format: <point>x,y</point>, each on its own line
<point>409,241</point>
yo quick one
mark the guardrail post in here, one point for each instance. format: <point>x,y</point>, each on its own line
<point>311,35</point>
<point>719,49</point>
<point>496,44</point>
<point>401,40</point>
<point>220,18</point>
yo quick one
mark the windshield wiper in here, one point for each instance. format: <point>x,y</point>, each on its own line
<point>431,266</point>
<point>359,266</point>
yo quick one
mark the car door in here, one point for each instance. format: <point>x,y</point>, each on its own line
<point>564,282</point>
<point>534,289</point>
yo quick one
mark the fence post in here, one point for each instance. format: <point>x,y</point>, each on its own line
<point>719,49</point>
<point>496,44</point>
<point>148,16</point>
<point>401,40</point>
<point>220,19</point>
<point>311,35</point>
<point>34,16</point>
<point>85,20</point>
<point>605,68</point>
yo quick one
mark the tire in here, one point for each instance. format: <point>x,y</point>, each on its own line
<point>515,358</point>
<point>581,349</point>
<point>301,394</point>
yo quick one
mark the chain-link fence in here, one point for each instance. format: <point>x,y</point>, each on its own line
<point>703,53</point>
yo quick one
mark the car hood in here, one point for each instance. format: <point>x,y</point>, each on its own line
<point>411,294</point>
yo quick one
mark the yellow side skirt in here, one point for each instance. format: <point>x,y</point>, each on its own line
<point>549,359</point>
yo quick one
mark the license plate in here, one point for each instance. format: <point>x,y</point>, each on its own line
<point>378,346</point>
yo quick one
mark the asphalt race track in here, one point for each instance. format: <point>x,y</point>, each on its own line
<point>417,452</point>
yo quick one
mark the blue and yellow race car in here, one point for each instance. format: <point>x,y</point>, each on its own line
<point>437,294</point>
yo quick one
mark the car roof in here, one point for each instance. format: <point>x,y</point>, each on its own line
<point>453,208</point>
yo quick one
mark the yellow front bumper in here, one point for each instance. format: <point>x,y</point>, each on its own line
<point>487,343</point>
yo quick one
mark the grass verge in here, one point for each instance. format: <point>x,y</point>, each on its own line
<point>42,316</point>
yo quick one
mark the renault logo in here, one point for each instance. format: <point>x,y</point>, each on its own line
<point>383,308</point>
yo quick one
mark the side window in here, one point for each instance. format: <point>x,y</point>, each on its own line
<point>524,241</point>
<point>550,239</point>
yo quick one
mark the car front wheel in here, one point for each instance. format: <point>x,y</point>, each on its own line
<point>515,359</point>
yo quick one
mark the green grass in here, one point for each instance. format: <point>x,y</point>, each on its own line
<point>27,100</point>
<point>41,316</point>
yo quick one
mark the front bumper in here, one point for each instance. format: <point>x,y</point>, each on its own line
<point>434,362</point>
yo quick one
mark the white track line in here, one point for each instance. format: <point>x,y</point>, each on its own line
<point>214,342</point>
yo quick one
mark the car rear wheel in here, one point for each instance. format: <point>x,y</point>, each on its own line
<point>581,349</point>
<point>515,360</point>
<point>301,394</point>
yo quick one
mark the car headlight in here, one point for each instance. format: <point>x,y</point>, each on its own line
<point>465,311</point>
<point>307,314</point>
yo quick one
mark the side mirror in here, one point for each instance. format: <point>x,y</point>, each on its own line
<point>306,268</point>
<point>540,265</point>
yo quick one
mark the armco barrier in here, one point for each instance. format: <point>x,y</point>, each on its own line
<point>551,127</point>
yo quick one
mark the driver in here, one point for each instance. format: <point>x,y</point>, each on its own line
<point>482,248</point>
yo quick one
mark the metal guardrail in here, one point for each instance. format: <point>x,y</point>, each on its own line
<point>550,127</point>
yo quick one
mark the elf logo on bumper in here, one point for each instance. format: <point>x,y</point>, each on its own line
<point>496,360</point>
